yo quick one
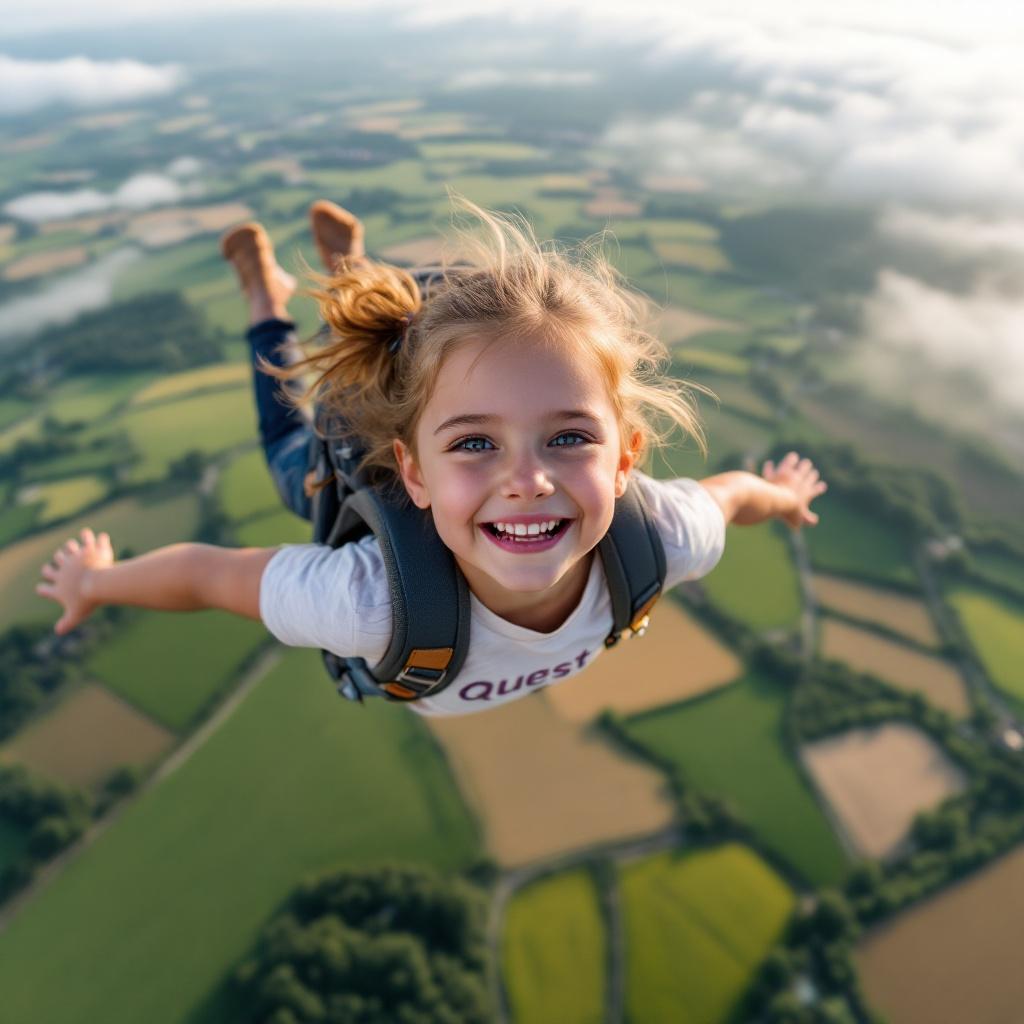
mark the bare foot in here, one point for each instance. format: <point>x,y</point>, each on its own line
<point>267,287</point>
<point>338,234</point>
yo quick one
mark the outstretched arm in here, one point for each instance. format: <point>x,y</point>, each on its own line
<point>83,575</point>
<point>781,492</point>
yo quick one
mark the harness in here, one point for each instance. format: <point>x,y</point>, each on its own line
<point>430,602</point>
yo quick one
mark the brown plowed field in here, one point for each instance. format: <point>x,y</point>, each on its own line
<point>542,786</point>
<point>906,615</point>
<point>877,779</point>
<point>86,737</point>
<point>675,660</point>
<point>902,666</point>
<point>674,324</point>
<point>956,958</point>
<point>39,263</point>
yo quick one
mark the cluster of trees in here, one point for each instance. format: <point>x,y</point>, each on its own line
<point>816,950</point>
<point>158,330</point>
<point>50,816</point>
<point>367,945</point>
<point>918,500</point>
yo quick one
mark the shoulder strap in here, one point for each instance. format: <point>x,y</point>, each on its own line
<point>634,564</point>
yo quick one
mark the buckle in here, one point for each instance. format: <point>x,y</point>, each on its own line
<point>424,671</point>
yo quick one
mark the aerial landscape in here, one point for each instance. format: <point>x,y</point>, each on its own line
<point>799,799</point>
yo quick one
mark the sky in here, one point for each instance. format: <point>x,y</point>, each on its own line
<point>910,107</point>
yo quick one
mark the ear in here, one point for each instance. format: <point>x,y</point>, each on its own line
<point>410,473</point>
<point>627,460</point>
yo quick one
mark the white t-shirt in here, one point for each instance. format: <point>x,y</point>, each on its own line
<point>337,599</point>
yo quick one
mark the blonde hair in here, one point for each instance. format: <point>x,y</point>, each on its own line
<point>386,345</point>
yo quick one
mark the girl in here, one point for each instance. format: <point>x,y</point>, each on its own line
<point>515,402</point>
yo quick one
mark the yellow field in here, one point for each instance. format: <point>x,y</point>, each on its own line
<point>906,615</point>
<point>936,679</point>
<point>612,205</point>
<point>956,958</point>
<point>86,737</point>
<point>877,779</point>
<point>65,497</point>
<point>675,660</point>
<point>542,786</point>
<point>182,384</point>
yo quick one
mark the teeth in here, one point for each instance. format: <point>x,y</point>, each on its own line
<point>524,530</point>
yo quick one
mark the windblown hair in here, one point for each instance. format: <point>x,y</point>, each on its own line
<point>504,285</point>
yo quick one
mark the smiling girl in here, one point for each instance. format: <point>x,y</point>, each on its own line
<point>514,396</point>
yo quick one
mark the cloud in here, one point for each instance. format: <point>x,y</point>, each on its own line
<point>958,234</point>
<point>537,78</point>
<point>28,84</point>
<point>64,298</point>
<point>932,348</point>
<point>140,192</point>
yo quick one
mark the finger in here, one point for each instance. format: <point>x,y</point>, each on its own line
<point>820,488</point>
<point>59,556</point>
<point>49,572</point>
<point>61,626</point>
<point>768,469</point>
<point>104,541</point>
<point>45,590</point>
<point>73,546</point>
<point>811,518</point>
<point>88,537</point>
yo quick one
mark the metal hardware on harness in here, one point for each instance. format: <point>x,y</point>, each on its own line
<point>424,671</point>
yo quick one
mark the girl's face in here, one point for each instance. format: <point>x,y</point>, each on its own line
<point>518,434</point>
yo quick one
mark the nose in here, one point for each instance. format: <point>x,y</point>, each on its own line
<point>527,477</point>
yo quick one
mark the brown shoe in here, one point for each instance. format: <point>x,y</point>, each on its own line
<point>338,234</point>
<point>249,248</point>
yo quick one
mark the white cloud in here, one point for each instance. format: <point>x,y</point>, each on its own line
<point>184,167</point>
<point>65,297</point>
<point>911,327</point>
<point>28,84</point>
<point>961,234</point>
<point>140,192</point>
<point>538,78</point>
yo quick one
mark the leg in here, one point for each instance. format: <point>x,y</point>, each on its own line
<point>286,432</point>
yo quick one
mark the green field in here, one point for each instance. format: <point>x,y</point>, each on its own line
<point>192,871</point>
<point>554,952</point>
<point>697,928</point>
<point>65,497</point>
<point>717,296</point>
<point>856,542</point>
<point>995,624</point>
<point>172,666</point>
<point>1000,569</point>
<point>245,487</point>
<point>136,523</point>
<point>275,528</point>
<point>16,520</point>
<point>162,433</point>
<point>730,744</point>
<point>91,397</point>
<point>757,553</point>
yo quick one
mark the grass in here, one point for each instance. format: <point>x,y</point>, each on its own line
<point>245,487</point>
<point>717,296</point>
<point>756,581</point>
<point>854,541</point>
<point>93,397</point>
<point>275,528</point>
<point>208,423</point>
<point>65,497</point>
<point>730,744</point>
<point>16,520</point>
<point>554,952</point>
<point>180,385</point>
<point>12,410</point>
<point>697,929</point>
<point>995,624</point>
<point>999,568</point>
<point>172,666</point>
<point>194,868</point>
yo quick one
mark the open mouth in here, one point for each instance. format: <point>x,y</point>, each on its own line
<point>536,536</point>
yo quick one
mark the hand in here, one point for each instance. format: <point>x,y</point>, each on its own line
<point>800,478</point>
<point>67,573</point>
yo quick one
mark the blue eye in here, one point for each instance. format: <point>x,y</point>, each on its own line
<point>570,433</point>
<point>470,444</point>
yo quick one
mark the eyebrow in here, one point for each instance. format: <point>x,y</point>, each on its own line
<point>479,419</point>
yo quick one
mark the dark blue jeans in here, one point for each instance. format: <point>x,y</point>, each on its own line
<point>285,432</point>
